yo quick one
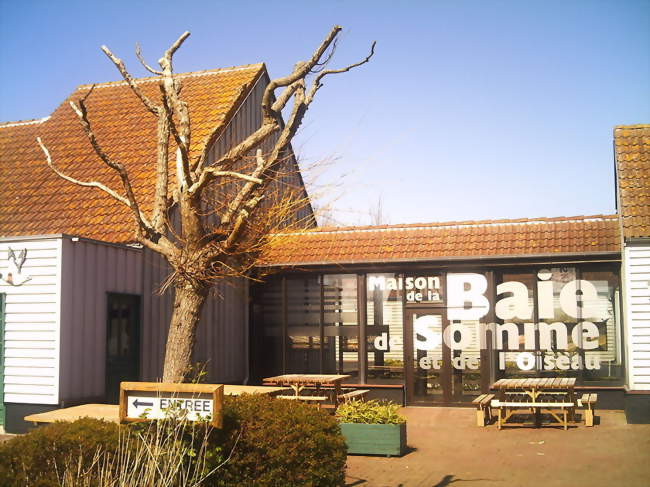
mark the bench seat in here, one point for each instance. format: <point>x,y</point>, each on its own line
<point>528,405</point>
<point>483,409</point>
<point>358,394</point>
<point>588,402</point>
<point>303,398</point>
<point>508,408</point>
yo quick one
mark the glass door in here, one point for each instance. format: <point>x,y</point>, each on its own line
<point>428,359</point>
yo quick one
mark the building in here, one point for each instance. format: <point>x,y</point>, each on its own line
<point>432,314</point>
<point>632,153</point>
<point>426,314</point>
<point>81,309</point>
<point>443,310</point>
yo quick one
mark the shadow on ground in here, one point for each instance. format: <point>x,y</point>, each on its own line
<point>444,440</point>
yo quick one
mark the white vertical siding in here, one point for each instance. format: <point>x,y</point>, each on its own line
<point>637,287</point>
<point>90,271</point>
<point>32,323</point>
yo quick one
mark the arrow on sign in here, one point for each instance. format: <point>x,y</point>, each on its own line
<point>138,404</point>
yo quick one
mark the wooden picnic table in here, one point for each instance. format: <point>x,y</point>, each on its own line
<point>298,382</point>
<point>550,395</point>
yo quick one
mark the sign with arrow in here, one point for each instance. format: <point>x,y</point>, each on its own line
<point>146,401</point>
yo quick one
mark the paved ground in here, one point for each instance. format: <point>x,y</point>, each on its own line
<point>448,449</point>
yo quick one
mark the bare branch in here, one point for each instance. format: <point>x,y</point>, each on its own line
<point>138,53</point>
<point>240,222</point>
<point>177,44</point>
<point>163,246</point>
<point>245,146</point>
<point>161,196</point>
<point>212,173</point>
<point>179,110</point>
<point>212,136</point>
<point>234,174</point>
<point>301,70</point>
<point>88,184</point>
<point>152,107</point>
<point>237,202</point>
<point>317,81</point>
<point>140,219</point>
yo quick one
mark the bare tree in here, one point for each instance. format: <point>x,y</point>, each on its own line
<point>377,213</point>
<point>210,220</point>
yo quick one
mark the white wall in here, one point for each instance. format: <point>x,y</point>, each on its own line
<point>637,303</point>
<point>32,322</point>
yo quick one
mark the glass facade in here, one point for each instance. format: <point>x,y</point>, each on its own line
<point>443,335</point>
<point>384,330</point>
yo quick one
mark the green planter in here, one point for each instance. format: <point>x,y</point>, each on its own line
<point>375,439</point>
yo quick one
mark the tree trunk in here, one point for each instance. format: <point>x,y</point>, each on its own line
<point>188,303</point>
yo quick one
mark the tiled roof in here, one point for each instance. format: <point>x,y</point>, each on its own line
<point>632,146</point>
<point>440,241</point>
<point>35,201</point>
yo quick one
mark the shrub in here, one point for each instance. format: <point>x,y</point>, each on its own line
<point>278,443</point>
<point>369,412</point>
<point>173,453</point>
<point>39,457</point>
<point>264,442</point>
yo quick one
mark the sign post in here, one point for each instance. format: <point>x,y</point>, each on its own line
<point>146,401</point>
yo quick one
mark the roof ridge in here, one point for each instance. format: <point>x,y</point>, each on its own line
<point>633,126</point>
<point>20,123</point>
<point>188,74</point>
<point>452,224</point>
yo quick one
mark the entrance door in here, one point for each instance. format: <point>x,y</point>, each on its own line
<point>428,376</point>
<point>438,374</point>
<point>122,343</point>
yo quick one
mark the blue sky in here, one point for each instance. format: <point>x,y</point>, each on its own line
<point>469,110</point>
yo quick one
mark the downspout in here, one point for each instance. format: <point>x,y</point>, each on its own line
<point>247,363</point>
<point>624,277</point>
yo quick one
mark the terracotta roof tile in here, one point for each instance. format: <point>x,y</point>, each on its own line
<point>439,241</point>
<point>632,150</point>
<point>33,200</point>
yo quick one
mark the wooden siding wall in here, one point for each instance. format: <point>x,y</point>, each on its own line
<point>637,283</point>
<point>32,323</point>
<point>90,270</point>
<point>220,337</point>
<point>93,269</point>
<point>245,121</point>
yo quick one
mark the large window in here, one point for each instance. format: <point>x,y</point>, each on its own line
<point>457,330</point>
<point>340,325</point>
<point>306,324</point>
<point>385,330</point>
<point>560,321</point>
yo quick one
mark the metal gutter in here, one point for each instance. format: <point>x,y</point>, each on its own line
<point>436,260</point>
<point>74,238</point>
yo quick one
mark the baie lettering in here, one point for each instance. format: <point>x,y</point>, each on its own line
<point>466,301</point>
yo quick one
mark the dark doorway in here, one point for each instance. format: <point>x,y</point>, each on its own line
<point>2,359</point>
<point>122,342</point>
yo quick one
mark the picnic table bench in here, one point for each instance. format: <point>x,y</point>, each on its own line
<point>299,382</point>
<point>536,396</point>
<point>355,394</point>
<point>483,409</point>
<point>588,402</point>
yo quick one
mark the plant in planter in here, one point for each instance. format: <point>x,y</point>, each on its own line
<point>372,427</point>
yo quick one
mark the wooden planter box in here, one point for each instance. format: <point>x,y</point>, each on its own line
<point>375,439</point>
